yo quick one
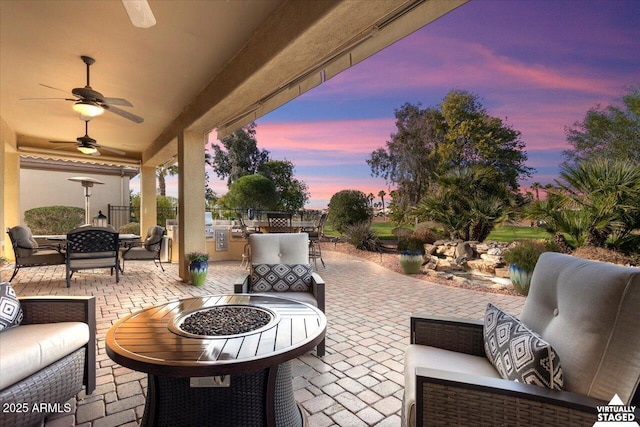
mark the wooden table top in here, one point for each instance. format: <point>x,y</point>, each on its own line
<point>144,342</point>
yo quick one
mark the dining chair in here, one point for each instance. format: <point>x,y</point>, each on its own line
<point>92,247</point>
<point>280,222</point>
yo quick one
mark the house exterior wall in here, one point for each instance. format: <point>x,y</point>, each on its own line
<point>40,188</point>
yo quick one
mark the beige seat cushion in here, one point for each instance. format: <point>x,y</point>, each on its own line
<point>588,311</point>
<point>26,349</point>
<point>421,356</point>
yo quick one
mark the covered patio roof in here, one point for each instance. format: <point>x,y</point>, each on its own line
<point>205,66</point>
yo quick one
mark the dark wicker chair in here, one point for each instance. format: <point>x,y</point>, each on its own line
<point>147,250</point>
<point>29,253</point>
<point>586,310</point>
<point>91,248</point>
<point>63,379</point>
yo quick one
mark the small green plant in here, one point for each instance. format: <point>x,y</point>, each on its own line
<point>362,236</point>
<point>411,246</point>
<point>526,253</point>
<point>197,257</point>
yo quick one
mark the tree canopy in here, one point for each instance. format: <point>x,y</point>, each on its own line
<point>611,133</point>
<point>459,133</point>
<point>292,193</point>
<point>251,191</point>
<point>240,155</point>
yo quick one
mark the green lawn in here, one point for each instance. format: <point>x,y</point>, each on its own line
<point>511,233</point>
<point>500,234</point>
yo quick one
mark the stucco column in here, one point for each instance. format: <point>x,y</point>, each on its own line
<point>10,197</point>
<point>190,197</point>
<point>148,205</point>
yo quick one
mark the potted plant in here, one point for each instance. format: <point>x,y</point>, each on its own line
<point>198,267</point>
<point>522,259</point>
<point>411,254</point>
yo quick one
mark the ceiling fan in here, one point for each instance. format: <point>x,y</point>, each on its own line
<point>91,103</point>
<point>139,13</point>
<point>87,145</point>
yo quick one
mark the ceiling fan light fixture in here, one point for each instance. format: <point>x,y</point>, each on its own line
<point>87,150</point>
<point>88,109</point>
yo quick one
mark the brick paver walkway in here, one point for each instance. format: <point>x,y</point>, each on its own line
<point>359,382</point>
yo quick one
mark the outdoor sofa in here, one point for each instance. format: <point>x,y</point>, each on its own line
<point>48,358</point>
<point>586,312</point>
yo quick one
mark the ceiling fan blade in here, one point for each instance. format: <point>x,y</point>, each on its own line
<point>139,13</point>
<point>64,142</point>
<point>46,99</point>
<point>122,113</point>
<point>54,88</point>
<point>117,101</point>
<point>112,150</point>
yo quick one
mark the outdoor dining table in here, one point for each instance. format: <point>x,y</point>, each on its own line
<point>241,379</point>
<point>296,225</point>
<point>123,237</point>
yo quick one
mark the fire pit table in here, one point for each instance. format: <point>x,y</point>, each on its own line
<point>218,360</point>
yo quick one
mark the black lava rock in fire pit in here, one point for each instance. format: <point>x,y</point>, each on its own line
<point>225,321</point>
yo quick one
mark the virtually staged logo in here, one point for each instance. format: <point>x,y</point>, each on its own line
<point>616,414</point>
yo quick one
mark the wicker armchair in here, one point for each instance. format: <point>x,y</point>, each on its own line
<point>58,381</point>
<point>283,256</point>
<point>587,311</point>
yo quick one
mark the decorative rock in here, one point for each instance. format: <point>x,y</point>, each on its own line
<point>464,250</point>
<point>481,266</point>
<point>492,258</point>
<point>494,251</point>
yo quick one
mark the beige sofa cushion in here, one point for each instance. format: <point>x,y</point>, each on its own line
<point>23,238</point>
<point>421,356</point>
<point>26,349</point>
<point>588,311</point>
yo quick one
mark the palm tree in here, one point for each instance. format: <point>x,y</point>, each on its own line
<point>161,173</point>
<point>535,186</point>
<point>381,194</point>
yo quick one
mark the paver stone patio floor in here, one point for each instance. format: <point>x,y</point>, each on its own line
<point>359,382</point>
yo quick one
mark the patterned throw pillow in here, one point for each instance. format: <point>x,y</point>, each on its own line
<point>10,310</point>
<point>281,278</point>
<point>519,354</point>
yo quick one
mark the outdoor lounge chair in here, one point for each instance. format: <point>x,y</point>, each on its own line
<point>29,253</point>
<point>147,250</point>
<point>90,248</point>
<point>48,358</point>
<point>280,265</point>
<point>586,311</point>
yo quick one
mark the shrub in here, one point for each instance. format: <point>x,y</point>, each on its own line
<point>525,253</point>
<point>130,228</point>
<point>362,236</point>
<point>53,219</point>
<point>348,207</point>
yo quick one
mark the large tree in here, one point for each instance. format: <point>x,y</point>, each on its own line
<point>239,155</point>
<point>251,191</point>
<point>459,133</point>
<point>292,193</point>
<point>608,133</point>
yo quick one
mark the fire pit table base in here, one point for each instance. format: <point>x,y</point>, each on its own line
<point>260,398</point>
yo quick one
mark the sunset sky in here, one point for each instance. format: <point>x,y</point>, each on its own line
<point>538,65</point>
